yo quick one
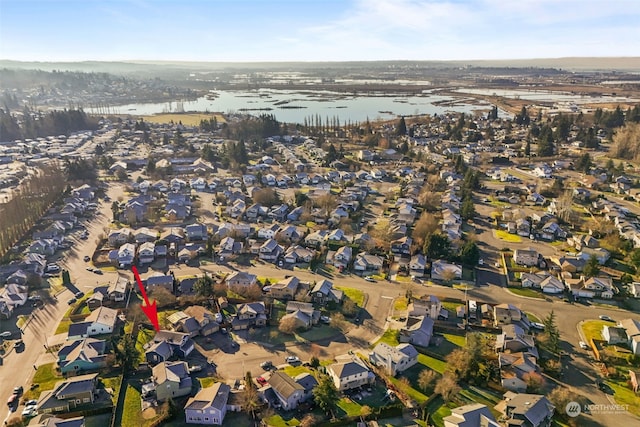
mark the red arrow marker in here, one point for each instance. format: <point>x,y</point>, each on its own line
<point>150,309</point>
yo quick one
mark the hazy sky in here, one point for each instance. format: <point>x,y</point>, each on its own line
<point>319,30</point>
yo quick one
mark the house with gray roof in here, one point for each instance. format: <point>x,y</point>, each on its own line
<point>472,415</point>
<point>349,373</point>
<point>287,390</point>
<point>324,292</point>
<point>69,394</point>
<point>208,406</point>
<point>88,354</point>
<point>250,314</point>
<point>171,380</point>
<point>46,420</point>
<point>394,360</point>
<point>418,331</point>
<point>526,410</point>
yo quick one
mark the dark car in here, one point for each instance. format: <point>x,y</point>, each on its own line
<point>71,301</point>
<point>79,294</point>
<point>605,388</point>
<point>18,390</point>
<point>86,258</point>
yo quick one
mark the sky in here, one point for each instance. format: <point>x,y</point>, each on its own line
<point>318,30</point>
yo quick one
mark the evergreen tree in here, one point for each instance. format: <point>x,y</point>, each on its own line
<point>325,394</point>
<point>469,253</point>
<point>551,332</point>
<point>402,127</point>
<point>467,210</point>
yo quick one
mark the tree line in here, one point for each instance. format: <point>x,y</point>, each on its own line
<point>34,124</point>
<point>36,195</point>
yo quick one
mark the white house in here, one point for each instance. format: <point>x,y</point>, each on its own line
<point>349,372</point>
<point>440,270</point>
<point>394,360</point>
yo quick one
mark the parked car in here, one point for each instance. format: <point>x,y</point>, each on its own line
<point>97,271</point>
<point>79,294</point>
<point>370,279</point>
<point>86,258</point>
<point>18,390</point>
<point>292,359</point>
<point>325,319</point>
<point>261,380</point>
<point>17,345</point>
<point>6,334</point>
<point>29,411</point>
<point>12,402</point>
<point>71,301</point>
<point>583,345</point>
<point>536,325</point>
<point>266,365</point>
<point>605,317</point>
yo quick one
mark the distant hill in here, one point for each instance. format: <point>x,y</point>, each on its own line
<point>624,64</point>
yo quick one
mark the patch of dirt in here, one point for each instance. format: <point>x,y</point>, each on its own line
<point>149,413</point>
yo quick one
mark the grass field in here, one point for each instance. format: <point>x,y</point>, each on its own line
<point>187,119</point>
<point>526,292</point>
<point>624,396</point>
<point>507,237</point>
<point>593,329</point>
<point>355,295</point>
<point>46,377</point>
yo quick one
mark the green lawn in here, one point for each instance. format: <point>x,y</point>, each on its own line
<point>592,329</point>
<point>318,333</point>
<point>625,396</point>
<point>400,304</point>
<point>112,382</point>
<point>355,295</point>
<point>46,377</point>
<point>430,362</point>
<point>144,336</point>
<point>507,237</point>
<point>293,371</point>
<point>349,408</point>
<point>390,337</point>
<point>206,382</point>
<point>451,306</point>
<point>526,292</point>
<point>533,318</point>
<point>412,391</point>
<point>63,326</point>
<point>131,413</point>
<point>278,421</point>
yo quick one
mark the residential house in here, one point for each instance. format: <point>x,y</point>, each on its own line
<point>228,248</point>
<point>316,239</point>
<point>601,254</point>
<point>196,232</point>
<point>47,420</point>
<point>402,246</point>
<point>160,280</point>
<point>632,329</point>
<point>297,254</point>
<point>342,257</point>
<point>253,314</point>
<point>117,290</point>
<point>95,300</point>
<point>182,322</point>
<point>270,251</point>
<point>287,390</point>
<point>119,237</point>
<point>126,255</point>
<point>505,314</point>
<point>394,360</point>
<point>427,305</point>
<point>418,331</point>
<point>513,339</point>
<point>241,279</point>
<point>514,369</point>
<point>166,344</point>
<point>526,257</point>
<point>285,288</point>
<point>101,321</point>
<point>614,335</point>
<point>368,264</point>
<point>526,410</point>
<point>268,232</point>
<point>146,253</point>
<point>350,373</point>
<point>84,355</point>
<point>443,270</point>
<point>69,394</point>
<point>303,312</point>
<point>323,292</point>
<point>144,234</point>
<point>598,287</point>
<point>171,380</point>
<point>472,415</point>
<point>548,283</point>
<point>205,318</point>
<point>208,406</point>
<point>417,265</point>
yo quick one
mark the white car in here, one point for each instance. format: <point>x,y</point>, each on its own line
<point>536,325</point>
<point>6,334</point>
<point>583,345</point>
<point>370,279</point>
<point>292,359</point>
<point>30,411</point>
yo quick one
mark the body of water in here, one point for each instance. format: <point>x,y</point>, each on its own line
<point>294,106</point>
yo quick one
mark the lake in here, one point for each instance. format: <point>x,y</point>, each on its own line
<point>294,106</point>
